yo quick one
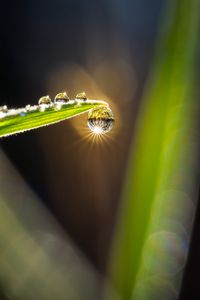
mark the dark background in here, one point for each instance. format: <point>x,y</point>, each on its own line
<point>105,48</point>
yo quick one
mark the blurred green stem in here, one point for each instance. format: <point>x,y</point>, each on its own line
<point>167,108</point>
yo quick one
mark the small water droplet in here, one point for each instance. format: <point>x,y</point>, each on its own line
<point>61,98</point>
<point>22,113</point>
<point>3,108</point>
<point>44,100</point>
<point>33,108</point>
<point>81,96</point>
<point>100,120</point>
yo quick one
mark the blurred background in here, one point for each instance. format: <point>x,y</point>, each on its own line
<point>104,48</point>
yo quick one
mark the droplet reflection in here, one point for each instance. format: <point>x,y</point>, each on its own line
<point>81,96</point>
<point>44,100</point>
<point>61,98</point>
<point>100,120</point>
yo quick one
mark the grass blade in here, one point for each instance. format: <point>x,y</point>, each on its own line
<point>19,120</point>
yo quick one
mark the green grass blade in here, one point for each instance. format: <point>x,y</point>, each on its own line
<point>161,154</point>
<point>19,120</point>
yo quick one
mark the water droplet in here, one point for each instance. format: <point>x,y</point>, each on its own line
<point>44,100</point>
<point>81,96</point>
<point>3,108</point>
<point>100,120</point>
<point>61,98</point>
<point>33,108</point>
<point>23,113</point>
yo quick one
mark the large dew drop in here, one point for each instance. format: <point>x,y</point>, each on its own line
<point>100,120</point>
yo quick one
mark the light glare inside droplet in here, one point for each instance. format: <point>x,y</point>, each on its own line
<point>97,130</point>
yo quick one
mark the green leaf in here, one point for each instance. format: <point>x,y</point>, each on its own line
<point>14,121</point>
